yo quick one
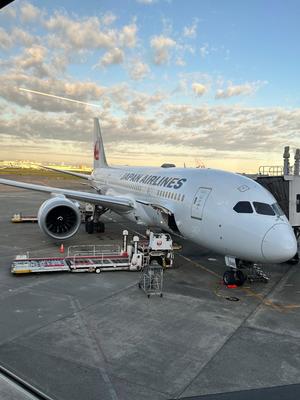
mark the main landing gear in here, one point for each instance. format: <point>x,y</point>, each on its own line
<point>93,223</point>
<point>235,275</point>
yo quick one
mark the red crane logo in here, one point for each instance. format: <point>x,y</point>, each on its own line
<point>96,150</point>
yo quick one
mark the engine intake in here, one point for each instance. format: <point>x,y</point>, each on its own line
<point>59,218</point>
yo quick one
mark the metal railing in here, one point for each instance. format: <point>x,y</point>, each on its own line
<point>271,170</point>
<point>77,253</point>
<point>93,250</point>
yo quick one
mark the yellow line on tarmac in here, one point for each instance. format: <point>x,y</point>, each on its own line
<point>250,292</point>
<point>291,306</point>
<point>201,266</point>
<point>264,301</point>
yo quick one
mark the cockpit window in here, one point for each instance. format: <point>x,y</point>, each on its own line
<point>277,209</point>
<point>243,207</point>
<point>263,208</point>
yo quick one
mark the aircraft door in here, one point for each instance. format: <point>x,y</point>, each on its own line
<point>199,202</point>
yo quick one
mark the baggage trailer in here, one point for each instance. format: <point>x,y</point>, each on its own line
<point>94,258</point>
<point>18,218</point>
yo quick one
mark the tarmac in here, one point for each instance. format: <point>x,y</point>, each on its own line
<point>88,336</point>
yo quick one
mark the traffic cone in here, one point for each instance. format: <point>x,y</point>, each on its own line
<point>62,249</point>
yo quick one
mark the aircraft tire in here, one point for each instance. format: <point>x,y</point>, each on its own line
<point>228,278</point>
<point>100,227</point>
<point>240,278</point>
<point>89,227</point>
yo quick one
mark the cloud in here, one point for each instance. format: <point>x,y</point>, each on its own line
<point>179,130</point>
<point>190,31</point>
<point>5,39</point>
<point>20,36</point>
<point>113,56</point>
<point>82,33</point>
<point>40,150</point>
<point>142,102</point>
<point>180,62</point>
<point>162,46</point>
<point>123,97</point>
<point>9,11</point>
<point>199,89</point>
<point>89,32</point>
<point>33,59</point>
<point>187,80</point>
<point>138,70</point>
<point>147,123</point>
<point>239,90</point>
<point>204,50</point>
<point>16,36</point>
<point>13,79</point>
<point>233,129</point>
<point>127,36</point>
<point>29,13</point>
<point>146,1</point>
<point>108,18</point>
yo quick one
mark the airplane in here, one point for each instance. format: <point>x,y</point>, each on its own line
<point>226,212</point>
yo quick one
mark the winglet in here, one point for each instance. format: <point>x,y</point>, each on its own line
<point>99,152</point>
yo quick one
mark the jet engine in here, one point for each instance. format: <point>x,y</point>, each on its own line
<point>59,217</point>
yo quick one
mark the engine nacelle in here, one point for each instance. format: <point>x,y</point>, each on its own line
<point>59,218</point>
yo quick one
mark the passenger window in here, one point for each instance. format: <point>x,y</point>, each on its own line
<point>263,208</point>
<point>298,203</point>
<point>243,207</point>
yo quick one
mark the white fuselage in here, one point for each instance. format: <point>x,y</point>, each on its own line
<point>199,204</point>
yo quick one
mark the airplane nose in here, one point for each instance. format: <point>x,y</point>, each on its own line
<point>279,244</point>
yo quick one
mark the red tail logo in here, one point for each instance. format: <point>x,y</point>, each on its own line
<point>96,150</point>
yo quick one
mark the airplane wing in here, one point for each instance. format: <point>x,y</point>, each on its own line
<point>78,174</point>
<point>112,202</point>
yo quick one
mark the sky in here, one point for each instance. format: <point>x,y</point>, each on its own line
<point>209,83</point>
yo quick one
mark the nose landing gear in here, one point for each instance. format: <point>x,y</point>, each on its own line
<point>235,275</point>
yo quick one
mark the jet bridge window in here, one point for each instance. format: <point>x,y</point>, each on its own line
<point>243,207</point>
<point>298,203</point>
<point>263,208</point>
